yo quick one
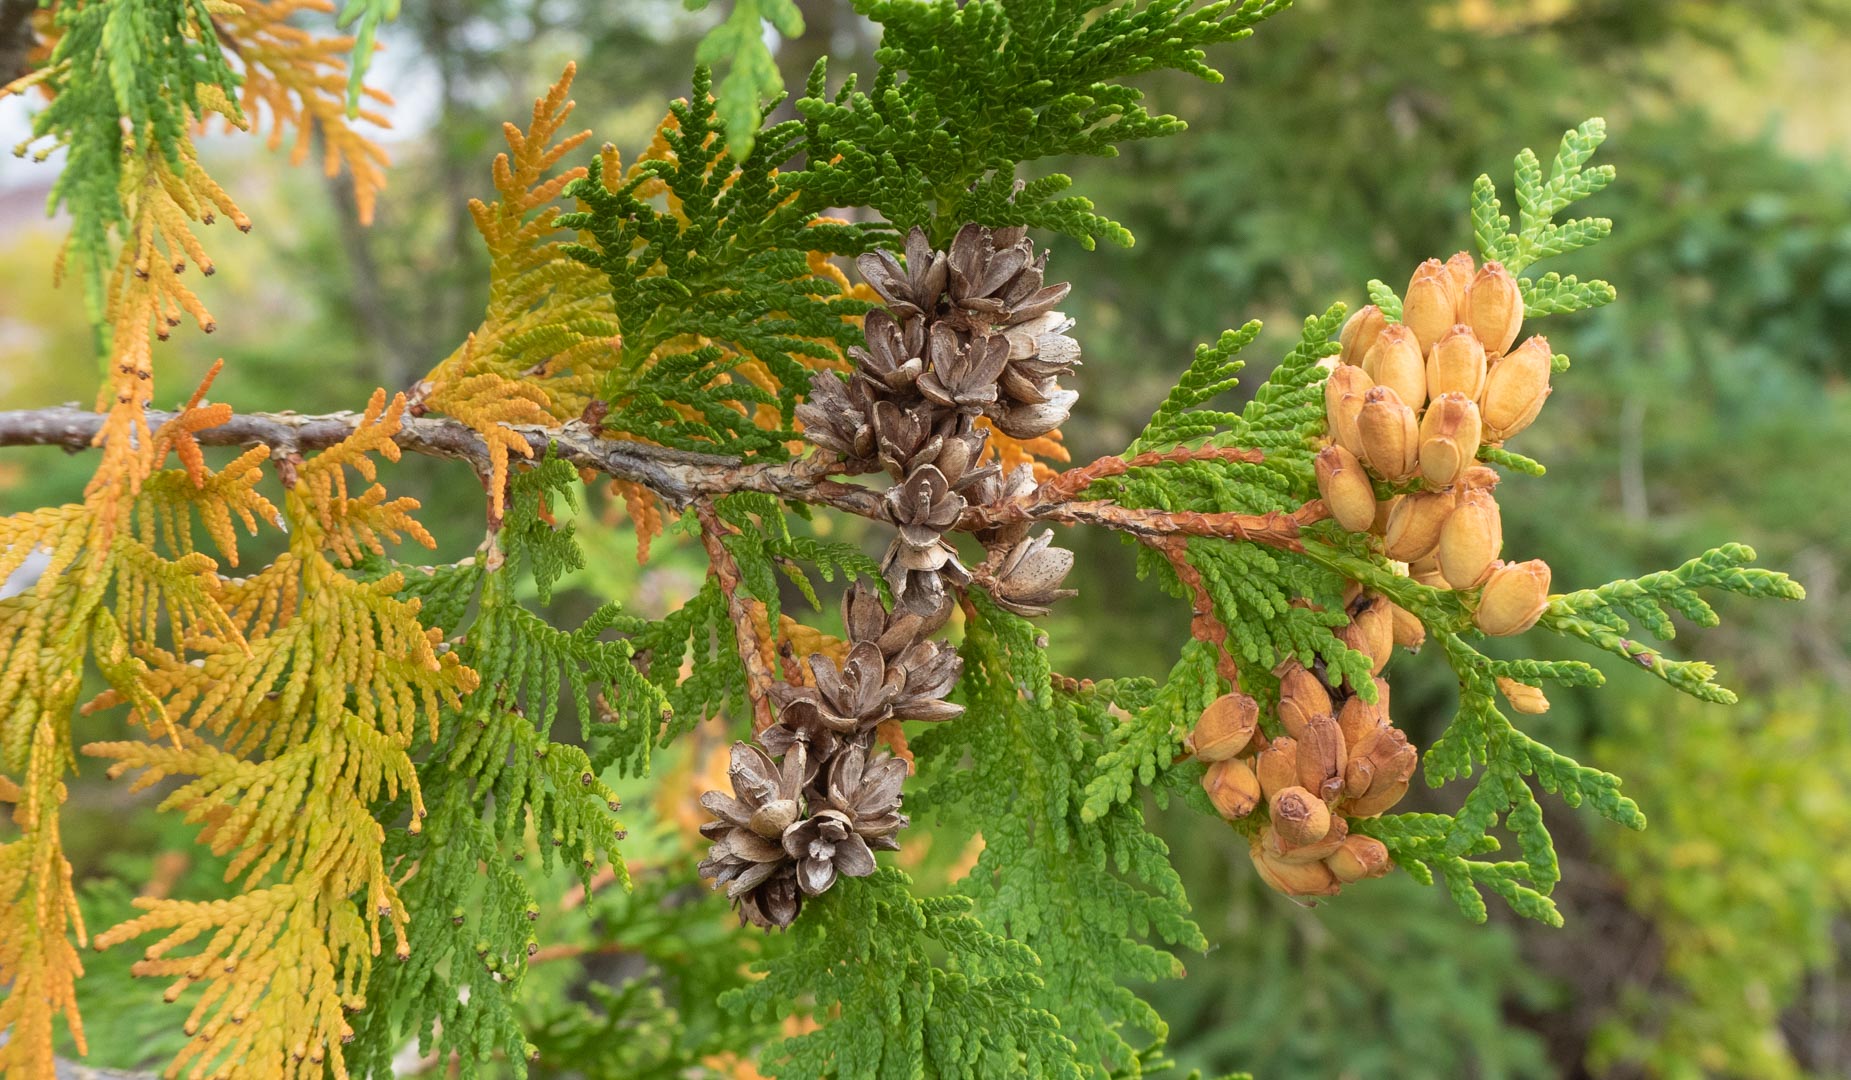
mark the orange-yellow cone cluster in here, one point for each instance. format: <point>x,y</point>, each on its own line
<point>1339,758</point>
<point>1410,404</point>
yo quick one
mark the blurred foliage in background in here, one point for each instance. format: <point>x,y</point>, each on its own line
<point>1709,404</point>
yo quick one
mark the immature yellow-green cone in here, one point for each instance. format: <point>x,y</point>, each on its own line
<point>1225,727</point>
<point>1343,400</point>
<point>1494,307</point>
<point>1359,857</point>
<point>1449,436</point>
<point>1292,879</point>
<point>1277,765</point>
<point>1395,361</point>
<point>1390,434</point>
<point>1345,488</point>
<point>1299,816</point>
<point>1431,305</point>
<point>1470,540</point>
<point>1359,332</point>
<point>1232,788</point>
<point>1457,363</point>
<point>1514,598</point>
<point>1516,388</point>
<point>1414,525</point>
<point>1522,696</point>
<point>1301,697</point>
<point>1462,269</point>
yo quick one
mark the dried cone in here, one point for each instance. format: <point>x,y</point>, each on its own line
<point>1449,438</point>
<point>1522,696</point>
<point>1470,540</point>
<point>1343,400</point>
<point>1514,598</point>
<point>1390,435</point>
<point>1414,525</point>
<point>1292,879</point>
<point>1301,697</point>
<point>1432,303</point>
<point>1359,332</point>
<point>1359,857</point>
<point>1494,307</point>
<point>1516,388</point>
<point>1284,850</point>
<point>1395,361</point>
<point>1322,758</point>
<point>1457,363</point>
<point>1225,727</point>
<point>1277,766</point>
<point>1378,773</point>
<point>1299,816</point>
<point>1345,488</point>
<point>1232,788</point>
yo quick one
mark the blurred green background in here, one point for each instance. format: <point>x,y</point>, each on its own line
<point>1709,404</point>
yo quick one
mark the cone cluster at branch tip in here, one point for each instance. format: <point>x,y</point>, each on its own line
<point>970,332</point>
<point>1339,758</point>
<point>1410,404</point>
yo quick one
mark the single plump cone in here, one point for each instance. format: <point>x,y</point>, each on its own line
<point>1343,400</point>
<point>1285,850</point>
<point>1277,766</point>
<point>1292,879</point>
<point>1390,435</point>
<point>1395,361</point>
<point>1414,525</point>
<point>1522,696</point>
<point>1322,757</point>
<point>1345,488</point>
<point>1449,438</point>
<point>1378,773</point>
<point>1494,307</point>
<point>1358,718</point>
<point>1226,727</point>
<point>1359,857</point>
<point>1359,332</point>
<point>1457,363</point>
<point>1516,388</point>
<point>1410,632</point>
<point>1432,303</point>
<point>1461,268</point>
<point>1371,631</point>
<point>1232,788</point>
<point>1299,816</point>
<point>1514,598</point>
<point>1470,540</point>
<point>1426,570</point>
<point>1301,697</point>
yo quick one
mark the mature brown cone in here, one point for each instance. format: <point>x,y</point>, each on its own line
<point>1322,757</point>
<point>1345,488</point>
<point>1299,816</point>
<point>1390,434</point>
<point>1359,857</point>
<point>1225,727</point>
<point>1292,879</point>
<point>836,415</point>
<point>1277,765</point>
<point>1301,696</point>
<point>913,289</point>
<point>1378,772</point>
<point>963,370</point>
<point>1395,361</point>
<point>1275,842</point>
<point>1371,631</point>
<point>1359,718</point>
<point>748,858</point>
<point>1232,788</point>
<point>895,354</point>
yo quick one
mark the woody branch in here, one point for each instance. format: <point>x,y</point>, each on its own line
<point>683,478</point>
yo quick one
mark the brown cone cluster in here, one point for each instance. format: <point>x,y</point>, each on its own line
<point>967,332</point>
<point>1337,758</point>
<point>814,799</point>
<point>1410,404</point>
